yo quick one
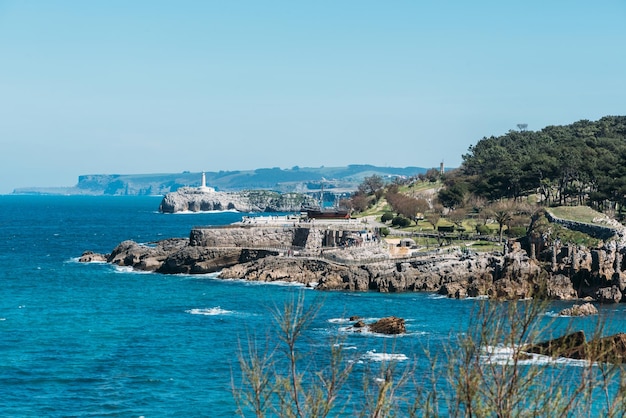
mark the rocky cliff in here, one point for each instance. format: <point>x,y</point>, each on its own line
<point>246,253</point>
<point>317,255</point>
<point>193,199</point>
<point>597,273</point>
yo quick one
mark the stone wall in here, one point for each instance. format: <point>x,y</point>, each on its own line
<point>597,231</point>
<point>244,237</point>
<point>308,237</point>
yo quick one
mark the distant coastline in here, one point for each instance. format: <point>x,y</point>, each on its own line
<point>296,179</point>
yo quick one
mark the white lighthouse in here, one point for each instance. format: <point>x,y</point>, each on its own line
<point>203,187</point>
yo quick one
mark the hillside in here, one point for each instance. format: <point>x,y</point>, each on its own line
<point>580,163</point>
<point>295,179</point>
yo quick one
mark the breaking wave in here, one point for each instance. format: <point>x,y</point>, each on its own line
<point>209,311</point>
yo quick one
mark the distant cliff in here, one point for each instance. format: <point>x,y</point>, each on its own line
<point>295,179</point>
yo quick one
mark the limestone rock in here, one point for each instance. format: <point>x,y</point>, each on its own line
<point>559,287</point>
<point>585,309</point>
<point>570,346</point>
<point>611,349</point>
<point>148,257</point>
<point>609,295</point>
<point>192,199</point>
<point>359,324</point>
<point>91,257</point>
<point>390,325</point>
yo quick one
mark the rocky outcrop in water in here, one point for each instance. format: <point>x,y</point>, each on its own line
<point>585,309</point>
<point>193,199</point>
<point>611,349</point>
<point>390,325</point>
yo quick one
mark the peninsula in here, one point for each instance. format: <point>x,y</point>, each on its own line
<point>352,255</point>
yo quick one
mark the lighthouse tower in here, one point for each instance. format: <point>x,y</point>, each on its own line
<point>203,187</point>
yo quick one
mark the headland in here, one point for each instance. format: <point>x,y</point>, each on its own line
<point>350,254</point>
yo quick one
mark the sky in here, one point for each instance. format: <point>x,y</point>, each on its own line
<point>126,87</point>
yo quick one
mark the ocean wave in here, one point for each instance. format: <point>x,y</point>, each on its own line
<point>366,332</point>
<point>502,356</point>
<point>372,355</point>
<point>209,311</point>
<point>189,212</point>
<point>346,346</point>
<point>127,270</point>
<point>274,283</point>
<point>480,297</point>
<point>76,260</point>
<point>339,320</point>
<point>204,276</point>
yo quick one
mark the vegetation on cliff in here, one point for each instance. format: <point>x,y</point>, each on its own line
<point>504,180</point>
<point>581,163</point>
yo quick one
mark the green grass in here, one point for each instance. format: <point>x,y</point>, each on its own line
<point>577,213</point>
<point>419,186</point>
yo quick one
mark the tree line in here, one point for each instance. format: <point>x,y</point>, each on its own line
<point>581,163</point>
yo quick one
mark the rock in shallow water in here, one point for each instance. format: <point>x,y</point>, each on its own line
<point>580,310</point>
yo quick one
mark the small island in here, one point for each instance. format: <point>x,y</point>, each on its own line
<point>205,198</point>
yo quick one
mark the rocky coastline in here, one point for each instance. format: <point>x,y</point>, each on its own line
<point>197,199</point>
<point>345,257</point>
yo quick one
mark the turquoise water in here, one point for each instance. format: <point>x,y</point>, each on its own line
<point>91,339</point>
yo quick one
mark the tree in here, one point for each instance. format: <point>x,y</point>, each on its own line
<point>502,215</point>
<point>433,218</point>
<point>371,184</point>
<point>405,205</point>
<point>453,196</point>
<point>400,221</point>
<point>432,175</point>
<point>457,216</point>
<point>565,164</point>
<point>359,202</point>
<point>386,217</point>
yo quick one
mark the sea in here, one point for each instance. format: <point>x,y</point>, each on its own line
<point>93,339</point>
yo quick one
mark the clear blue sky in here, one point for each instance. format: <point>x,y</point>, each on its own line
<point>166,86</point>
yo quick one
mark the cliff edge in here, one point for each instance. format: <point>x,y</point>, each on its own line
<point>194,199</point>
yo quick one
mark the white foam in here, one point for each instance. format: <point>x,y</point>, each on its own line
<point>213,275</point>
<point>503,356</point>
<point>345,346</point>
<point>339,320</point>
<point>3,319</point>
<point>367,332</point>
<point>372,355</point>
<point>274,283</point>
<point>209,311</point>
<point>77,261</point>
<point>189,212</point>
<point>127,269</point>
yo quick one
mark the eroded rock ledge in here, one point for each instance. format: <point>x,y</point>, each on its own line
<point>336,257</point>
<point>193,199</point>
<point>609,349</point>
